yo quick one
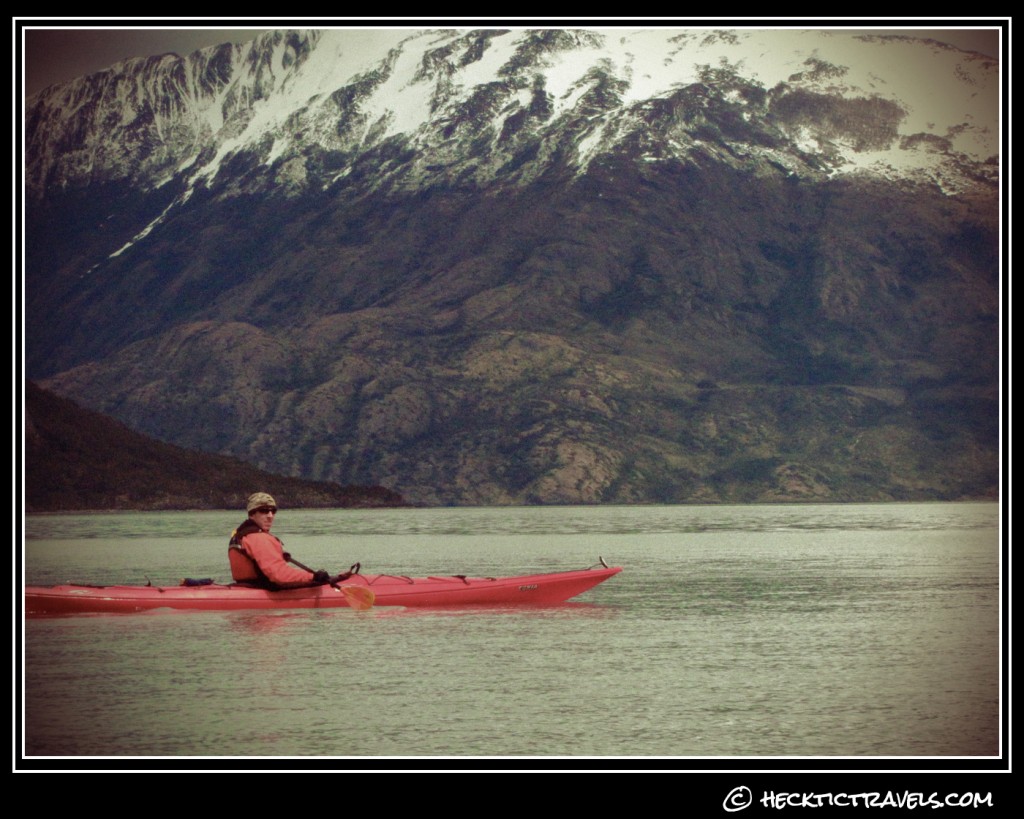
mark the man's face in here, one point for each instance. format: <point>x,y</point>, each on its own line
<point>264,517</point>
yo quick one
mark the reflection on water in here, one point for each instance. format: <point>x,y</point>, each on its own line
<point>864,630</point>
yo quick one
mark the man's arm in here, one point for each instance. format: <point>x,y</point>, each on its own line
<point>267,552</point>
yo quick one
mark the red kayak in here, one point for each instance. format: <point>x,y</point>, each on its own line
<point>359,591</point>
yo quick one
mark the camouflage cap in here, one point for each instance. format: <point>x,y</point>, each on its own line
<point>258,499</point>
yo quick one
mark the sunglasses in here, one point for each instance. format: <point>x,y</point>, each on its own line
<point>264,510</point>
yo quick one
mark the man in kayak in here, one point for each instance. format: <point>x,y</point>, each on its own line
<point>258,558</point>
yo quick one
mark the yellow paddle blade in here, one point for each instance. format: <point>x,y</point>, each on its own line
<point>359,597</point>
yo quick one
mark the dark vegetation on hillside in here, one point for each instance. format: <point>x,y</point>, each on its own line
<point>77,459</point>
<point>669,334</point>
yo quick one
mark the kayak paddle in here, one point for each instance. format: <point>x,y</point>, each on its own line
<point>358,597</point>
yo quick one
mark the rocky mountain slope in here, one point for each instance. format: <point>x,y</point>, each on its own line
<point>543,266</point>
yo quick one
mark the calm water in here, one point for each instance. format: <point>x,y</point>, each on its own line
<point>744,631</point>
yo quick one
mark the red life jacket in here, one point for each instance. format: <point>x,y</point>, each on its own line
<point>243,568</point>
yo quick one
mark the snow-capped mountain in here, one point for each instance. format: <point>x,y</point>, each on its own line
<point>468,103</point>
<point>517,265</point>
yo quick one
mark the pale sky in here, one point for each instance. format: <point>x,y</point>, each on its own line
<point>56,54</point>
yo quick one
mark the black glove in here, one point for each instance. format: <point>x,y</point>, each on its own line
<point>342,576</point>
<point>320,576</point>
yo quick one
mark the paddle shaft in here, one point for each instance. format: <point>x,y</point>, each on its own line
<point>291,559</point>
<point>300,565</point>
